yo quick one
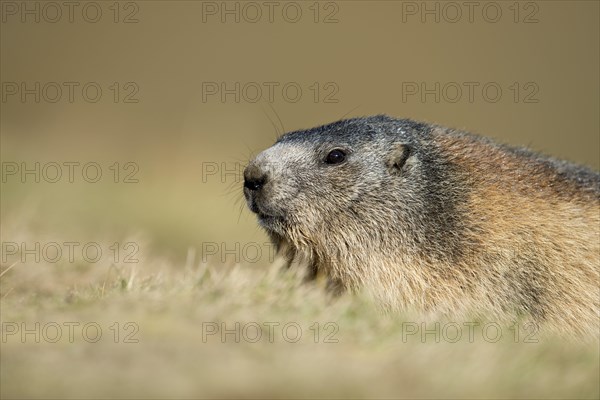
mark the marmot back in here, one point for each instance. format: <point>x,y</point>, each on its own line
<point>435,220</point>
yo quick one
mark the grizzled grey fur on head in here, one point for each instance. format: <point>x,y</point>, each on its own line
<point>435,220</point>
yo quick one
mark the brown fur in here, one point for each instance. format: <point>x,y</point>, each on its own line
<point>552,226</point>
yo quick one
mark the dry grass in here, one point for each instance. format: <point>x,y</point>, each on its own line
<point>173,305</point>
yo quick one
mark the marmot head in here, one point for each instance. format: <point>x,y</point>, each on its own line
<point>355,181</point>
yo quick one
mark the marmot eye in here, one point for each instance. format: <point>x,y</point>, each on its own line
<point>335,156</point>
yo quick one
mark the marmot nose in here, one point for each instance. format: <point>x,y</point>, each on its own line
<point>254,177</point>
<point>254,184</point>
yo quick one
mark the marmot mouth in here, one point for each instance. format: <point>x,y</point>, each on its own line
<point>268,218</point>
<point>271,223</point>
<point>260,212</point>
<point>263,218</point>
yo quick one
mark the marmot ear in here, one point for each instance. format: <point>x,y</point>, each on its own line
<point>397,157</point>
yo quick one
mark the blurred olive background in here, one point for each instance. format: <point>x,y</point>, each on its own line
<point>358,58</point>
